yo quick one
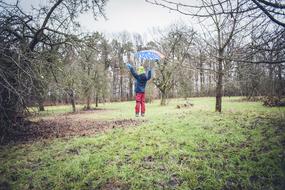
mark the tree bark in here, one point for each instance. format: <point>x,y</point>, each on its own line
<point>163,98</point>
<point>96,100</point>
<point>130,80</point>
<point>121,86</point>
<point>271,81</point>
<point>280,85</point>
<point>41,104</point>
<point>114,85</point>
<point>219,86</point>
<point>209,90</point>
<point>72,100</point>
<point>88,107</point>
<point>130,87</point>
<point>196,83</point>
<point>39,95</point>
<point>201,78</point>
<point>88,90</point>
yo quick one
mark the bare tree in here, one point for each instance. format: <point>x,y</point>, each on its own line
<point>92,54</point>
<point>176,47</point>
<point>23,36</point>
<point>263,13</point>
<point>230,18</point>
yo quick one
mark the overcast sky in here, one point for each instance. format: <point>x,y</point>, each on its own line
<point>124,15</point>
<point>131,15</point>
<point>134,16</point>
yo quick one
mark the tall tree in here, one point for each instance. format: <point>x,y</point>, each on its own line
<point>224,17</point>
<point>22,37</point>
<point>176,47</point>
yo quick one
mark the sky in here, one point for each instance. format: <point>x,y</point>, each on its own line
<point>131,15</point>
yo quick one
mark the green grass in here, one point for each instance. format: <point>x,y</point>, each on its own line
<point>188,148</point>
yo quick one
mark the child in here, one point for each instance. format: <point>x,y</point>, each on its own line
<point>141,80</point>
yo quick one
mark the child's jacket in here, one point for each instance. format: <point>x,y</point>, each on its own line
<point>141,80</point>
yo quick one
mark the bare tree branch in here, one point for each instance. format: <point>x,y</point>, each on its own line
<point>268,14</point>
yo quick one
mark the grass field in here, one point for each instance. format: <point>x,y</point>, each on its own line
<point>187,148</point>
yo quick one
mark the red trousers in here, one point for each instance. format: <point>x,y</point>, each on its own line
<point>140,102</point>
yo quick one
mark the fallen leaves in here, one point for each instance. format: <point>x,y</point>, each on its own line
<point>58,127</point>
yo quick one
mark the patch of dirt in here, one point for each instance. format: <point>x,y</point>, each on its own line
<point>84,111</point>
<point>5,186</point>
<point>148,159</point>
<point>232,183</point>
<point>62,126</point>
<point>174,181</point>
<point>253,178</point>
<point>78,114</point>
<point>114,185</point>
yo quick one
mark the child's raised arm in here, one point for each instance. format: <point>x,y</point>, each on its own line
<point>130,67</point>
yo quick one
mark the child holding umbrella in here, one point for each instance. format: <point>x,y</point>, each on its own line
<point>141,79</point>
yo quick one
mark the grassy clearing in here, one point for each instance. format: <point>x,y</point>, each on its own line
<point>191,148</point>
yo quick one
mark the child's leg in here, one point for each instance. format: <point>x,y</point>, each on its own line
<point>138,103</point>
<point>143,103</point>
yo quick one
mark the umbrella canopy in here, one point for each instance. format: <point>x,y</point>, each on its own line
<point>151,55</point>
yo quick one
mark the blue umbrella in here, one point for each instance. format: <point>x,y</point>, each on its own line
<point>151,55</point>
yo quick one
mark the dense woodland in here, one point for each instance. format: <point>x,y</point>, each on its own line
<point>46,60</point>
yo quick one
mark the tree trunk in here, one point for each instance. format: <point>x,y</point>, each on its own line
<point>280,85</point>
<point>39,95</point>
<point>201,75</point>
<point>121,86</point>
<point>88,107</point>
<point>271,81</point>
<point>201,80</point>
<point>130,79</point>
<point>209,90</point>
<point>196,83</point>
<point>72,100</point>
<point>114,85</point>
<point>88,90</point>
<point>40,101</point>
<point>219,86</point>
<point>96,100</point>
<point>130,87</point>
<point>163,98</point>
<point>41,104</point>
